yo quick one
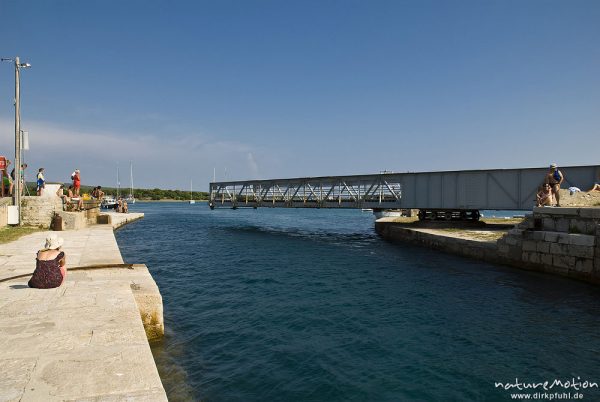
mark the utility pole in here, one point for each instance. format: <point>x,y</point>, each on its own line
<point>17,182</point>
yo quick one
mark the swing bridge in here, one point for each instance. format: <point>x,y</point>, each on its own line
<point>449,193</point>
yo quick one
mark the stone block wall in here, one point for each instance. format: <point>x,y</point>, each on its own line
<point>565,241</point>
<point>4,203</point>
<point>38,211</point>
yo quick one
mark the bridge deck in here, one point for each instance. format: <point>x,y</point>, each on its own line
<point>499,189</point>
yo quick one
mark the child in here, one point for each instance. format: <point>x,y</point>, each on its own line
<point>41,182</point>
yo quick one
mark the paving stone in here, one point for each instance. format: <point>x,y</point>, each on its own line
<point>593,213</point>
<point>543,247</point>
<point>558,249</point>
<point>512,240</point>
<point>564,238</point>
<point>582,240</point>
<point>546,259</point>
<point>549,224</point>
<point>584,266</point>
<point>581,251</point>
<point>529,245</point>
<point>563,261</point>
<point>562,225</point>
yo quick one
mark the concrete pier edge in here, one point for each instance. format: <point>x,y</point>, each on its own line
<point>88,339</point>
<point>560,241</point>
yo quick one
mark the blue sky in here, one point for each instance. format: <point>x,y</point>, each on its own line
<point>264,89</point>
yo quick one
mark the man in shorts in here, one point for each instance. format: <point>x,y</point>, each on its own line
<point>554,178</point>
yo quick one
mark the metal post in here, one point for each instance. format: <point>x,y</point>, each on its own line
<point>17,182</point>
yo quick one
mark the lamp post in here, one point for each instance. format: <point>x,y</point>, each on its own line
<point>17,182</point>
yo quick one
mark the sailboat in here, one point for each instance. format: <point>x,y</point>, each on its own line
<point>130,198</point>
<point>191,197</point>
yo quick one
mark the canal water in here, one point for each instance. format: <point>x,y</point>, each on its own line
<point>311,305</point>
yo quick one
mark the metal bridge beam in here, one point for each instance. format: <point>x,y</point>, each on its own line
<point>508,189</point>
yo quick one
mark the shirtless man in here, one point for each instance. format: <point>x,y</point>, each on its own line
<point>554,178</point>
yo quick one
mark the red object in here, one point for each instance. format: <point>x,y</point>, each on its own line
<point>2,163</point>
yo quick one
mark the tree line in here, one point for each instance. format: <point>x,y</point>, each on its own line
<point>142,194</point>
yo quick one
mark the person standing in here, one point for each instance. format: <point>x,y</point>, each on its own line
<point>12,175</point>
<point>554,178</point>
<point>76,182</point>
<point>41,182</point>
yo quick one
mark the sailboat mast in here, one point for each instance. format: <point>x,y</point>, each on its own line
<point>118,181</point>
<point>131,177</point>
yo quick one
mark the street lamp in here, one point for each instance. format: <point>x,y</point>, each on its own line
<point>17,182</point>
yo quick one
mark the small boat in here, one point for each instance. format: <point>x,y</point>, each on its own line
<point>191,199</point>
<point>108,202</point>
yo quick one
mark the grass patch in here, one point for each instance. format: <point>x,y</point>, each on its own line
<point>9,233</point>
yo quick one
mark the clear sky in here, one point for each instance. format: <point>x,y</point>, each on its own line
<point>266,89</point>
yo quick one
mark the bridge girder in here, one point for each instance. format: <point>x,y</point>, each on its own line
<point>509,189</point>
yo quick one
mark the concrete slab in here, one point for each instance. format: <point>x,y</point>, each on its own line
<point>116,219</point>
<point>82,341</point>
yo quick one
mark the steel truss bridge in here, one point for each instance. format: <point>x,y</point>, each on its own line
<point>466,190</point>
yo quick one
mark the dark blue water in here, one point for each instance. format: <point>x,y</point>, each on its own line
<point>311,305</point>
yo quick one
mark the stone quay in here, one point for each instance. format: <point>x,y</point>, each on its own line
<point>87,340</point>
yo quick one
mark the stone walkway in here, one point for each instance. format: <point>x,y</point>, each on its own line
<point>82,341</point>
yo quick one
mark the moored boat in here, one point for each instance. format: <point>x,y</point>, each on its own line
<point>108,202</point>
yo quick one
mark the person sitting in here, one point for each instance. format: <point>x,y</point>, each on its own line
<point>60,193</point>
<point>73,199</point>
<point>50,268</point>
<point>544,196</point>
<point>94,193</point>
<point>99,192</point>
